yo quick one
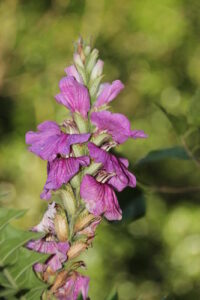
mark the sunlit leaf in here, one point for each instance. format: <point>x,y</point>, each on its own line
<point>10,240</point>
<point>179,122</point>
<point>113,296</point>
<point>7,215</point>
<point>156,155</point>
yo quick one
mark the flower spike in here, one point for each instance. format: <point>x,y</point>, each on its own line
<point>81,171</point>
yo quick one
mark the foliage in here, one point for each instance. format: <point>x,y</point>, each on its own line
<point>17,279</point>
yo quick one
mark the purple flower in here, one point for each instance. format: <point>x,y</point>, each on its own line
<point>47,223</point>
<point>71,71</point>
<point>60,171</point>
<point>74,96</point>
<point>108,92</point>
<point>58,251</point>
<point>50,140</point>
<point>111,164</point>
<point>117,125</point>
<point>75,285</point>
<point>100,198</point>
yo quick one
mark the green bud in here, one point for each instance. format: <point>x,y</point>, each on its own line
<point>82,72</point>
<point>76,181</point>
<point>100,139</point>
<point>87,50</point>
<point>91,60</point>
<point>92,169</point>
<point>81,123</point>
<point>94,86</point>
<point>69,200</point>
<point>78,150</point>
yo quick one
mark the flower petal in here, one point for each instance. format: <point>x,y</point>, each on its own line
<point>50,141</point>
<point>109,92</point>
<point>112,164</point>
<point>74,96</point>
<point>72,71</point>
<point>60,171</point>
<point>117,125</point>
<point>100,198</point>
<point>57,249</point>
<point>47,223</point>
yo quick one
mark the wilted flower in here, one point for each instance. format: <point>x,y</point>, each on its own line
<point>57,251</point>
<point>75,285</point>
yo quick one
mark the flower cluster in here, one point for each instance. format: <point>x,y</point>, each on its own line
<point>80,171</point>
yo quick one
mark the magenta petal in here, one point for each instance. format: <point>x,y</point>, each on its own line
<point>60,171</point>
<point>50,141</point>
<point>112,164</point>
<point>74,96</point>
<point>58,250</point>
<point>117,125</point>
<point>72,71</point>
<point>108,92</point>
<point>44,143</point>
<point>100,198</point>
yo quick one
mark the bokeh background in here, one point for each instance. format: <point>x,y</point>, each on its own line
<point>153,47</point>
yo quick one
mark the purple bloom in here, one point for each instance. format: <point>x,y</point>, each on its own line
<point>100,198</point>
<point>60,171</point>
<point>47,223</point>
<point>50,140</point>
<point>108,92</point>
<point>71,71</point>
<point>75,285</point>
<point>58,251</point>
<point>111,164</point>
<point>117,125</point>
<point>74,96</point>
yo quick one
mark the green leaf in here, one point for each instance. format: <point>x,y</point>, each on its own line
<point>34,294</point>
<point>17,276</point>
<point>133,204</point>
<point>26,259</point>
<point>113,296</point>
<point>7,215</point>
<point>157,155</point>
<point>10,240</point>
<point>194,110</point>
<point>179,123</point>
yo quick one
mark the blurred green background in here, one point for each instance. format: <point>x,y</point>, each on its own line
<point>153,47</point>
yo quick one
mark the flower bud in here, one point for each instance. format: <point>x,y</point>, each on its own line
<point>92,169</point>
<point>68,200</point>
<point>101,138</point>
<point>61,225</point>
<point>87,50</point>
<point>94,87</point>
<point>97,70</point>
<point>83,222</point>
<point>76,249</point>
<point>92,60</point>
<point>81,123</point>
<point>77,60</point>
<point>59,281</point>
